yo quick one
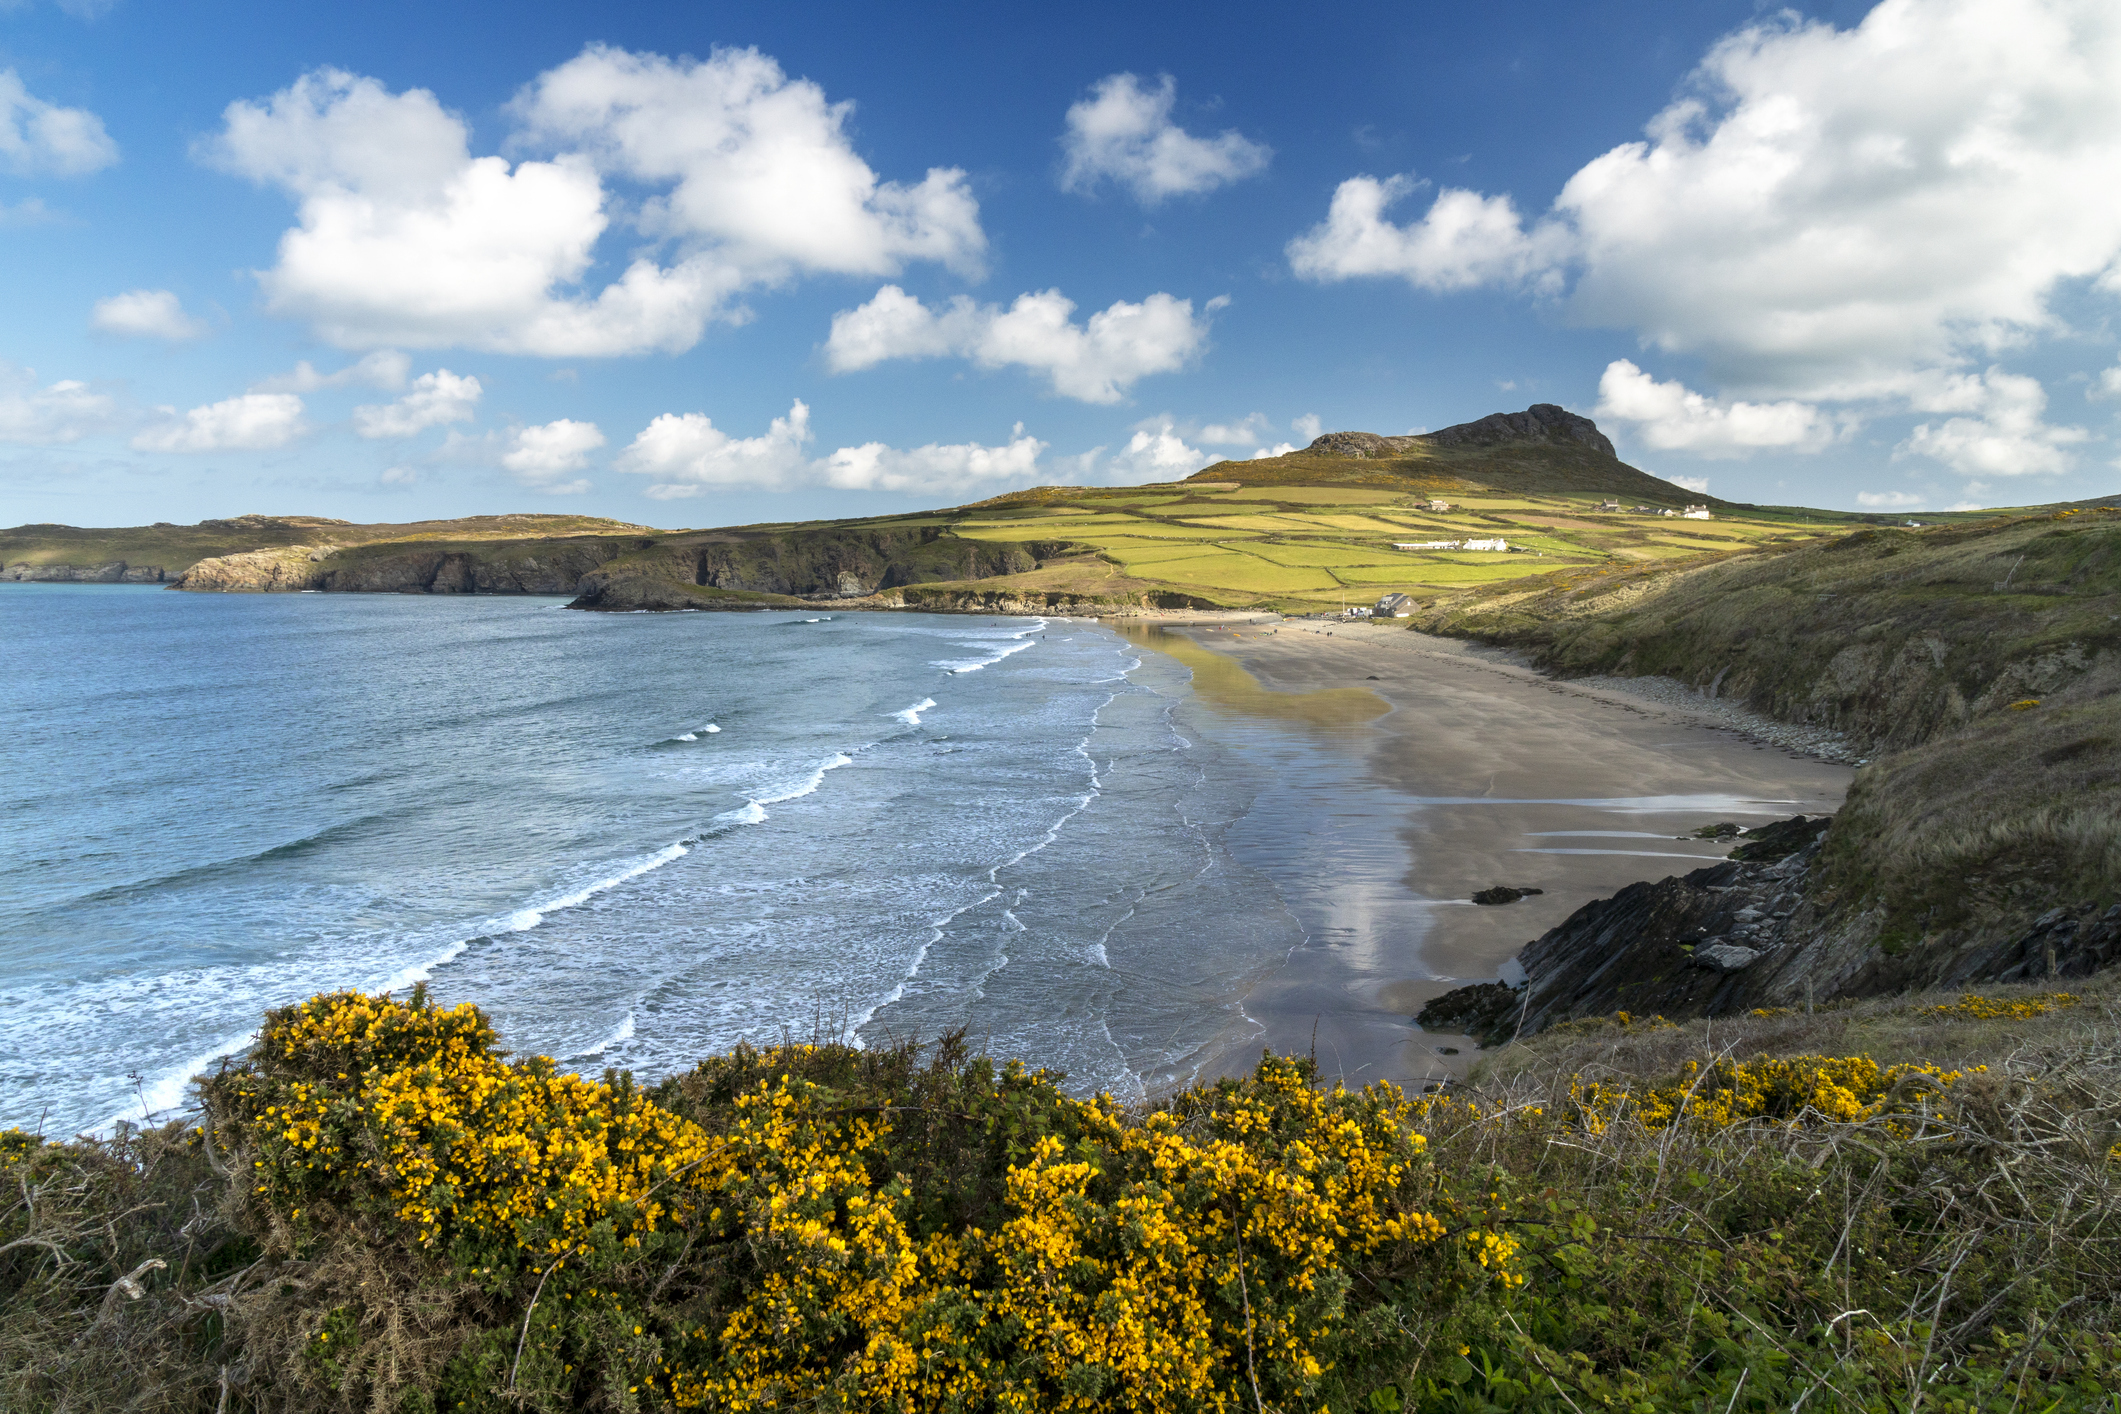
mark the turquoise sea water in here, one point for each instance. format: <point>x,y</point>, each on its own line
<point>634,838</point>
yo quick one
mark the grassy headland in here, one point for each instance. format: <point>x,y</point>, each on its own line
<point>1978,663</point>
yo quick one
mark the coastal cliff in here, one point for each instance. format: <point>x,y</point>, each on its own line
<point>655,570</point>
<point>1980,669</point>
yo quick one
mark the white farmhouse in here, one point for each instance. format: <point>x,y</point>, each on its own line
<point>1426,545</point>
<point>1487,545</point>
<point>1695,513</point>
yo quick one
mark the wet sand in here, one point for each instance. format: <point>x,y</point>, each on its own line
<point>1499,775</point>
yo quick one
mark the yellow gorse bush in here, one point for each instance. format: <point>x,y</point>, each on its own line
<point>1199,1256</point>
<point>1725,1092</point>
<point>1973,1007</point>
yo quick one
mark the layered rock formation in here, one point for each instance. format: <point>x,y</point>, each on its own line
<point>1746,934</point>
<point>115,572</point>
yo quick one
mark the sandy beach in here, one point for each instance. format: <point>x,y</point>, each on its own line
<point>1499,775</point>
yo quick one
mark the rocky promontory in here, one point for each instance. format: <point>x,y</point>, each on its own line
<point>1743,934</point>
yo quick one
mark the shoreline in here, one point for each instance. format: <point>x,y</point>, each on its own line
<point>1497,774</point>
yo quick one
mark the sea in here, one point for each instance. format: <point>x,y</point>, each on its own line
<point>639,839</point>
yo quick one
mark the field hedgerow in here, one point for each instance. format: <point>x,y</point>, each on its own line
<point>381,1211</point>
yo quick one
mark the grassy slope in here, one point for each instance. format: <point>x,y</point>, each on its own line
<point>1302,533</point>
<point>1978,812</point>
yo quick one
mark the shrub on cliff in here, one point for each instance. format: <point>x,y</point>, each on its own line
<point>382,1211</point>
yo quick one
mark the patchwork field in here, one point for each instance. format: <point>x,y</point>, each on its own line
<point>1246,535</point>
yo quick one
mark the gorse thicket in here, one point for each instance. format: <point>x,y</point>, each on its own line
<point>381,1211</point>
<point>764,1234</point>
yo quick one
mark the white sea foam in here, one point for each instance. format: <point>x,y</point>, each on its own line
<point>164,1095</point>
<point>940,925</point>
<point>710,727</point>
<point>997,645</point>
<point>687,736</point>
<point>422,971</point>
<point>752,811</point>
<point>617,1038</point>
<point>524,919</point>
<point>911,716</point>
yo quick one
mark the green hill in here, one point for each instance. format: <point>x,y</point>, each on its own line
<point>1350,518</point>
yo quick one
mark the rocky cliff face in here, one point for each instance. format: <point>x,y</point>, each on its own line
<point>1541,422</point>
<point>707,569</point>
<point>1741,935</point>
<point>115,572</point>
<point>852,564</point>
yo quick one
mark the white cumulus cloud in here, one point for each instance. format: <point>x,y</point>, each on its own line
<point>1888,500</point>
<point>1672,417</point>
<point>385,370</point>
<point>2007,433</point>
<point>405,237</point>
<point>758,165</point>
<point>688,455</point>
<point>936,469</point>
<point>1825,214</point>
<point>1464,239</point>
<point>433,399</point>
<point>39,138</point>
<point>1699,485</point>
<point>149,314</point>
<point>251,422</point>
<point>540,455</point>
<point>65,411</point>
<point>1123,132</point>
<point>1096,361</point>
<point>1248,431</point>
<point>1156,452</point>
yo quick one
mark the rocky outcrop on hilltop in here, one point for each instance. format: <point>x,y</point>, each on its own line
<point>115,572</point>
<point>1541,422</point>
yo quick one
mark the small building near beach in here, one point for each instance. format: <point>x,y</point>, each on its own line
<point>1394,606</point>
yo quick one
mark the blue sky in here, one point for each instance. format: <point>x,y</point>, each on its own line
<point>749,263</point>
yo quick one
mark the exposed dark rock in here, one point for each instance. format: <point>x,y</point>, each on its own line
<point>1724,957</point>
<point>1723,831</point>
<point>1541,422</point>
<point>1503,893</point>
<point>1486,1011</point>
<point>114,572</point>
<point>1740,935</point>
<point>1781,839</point>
